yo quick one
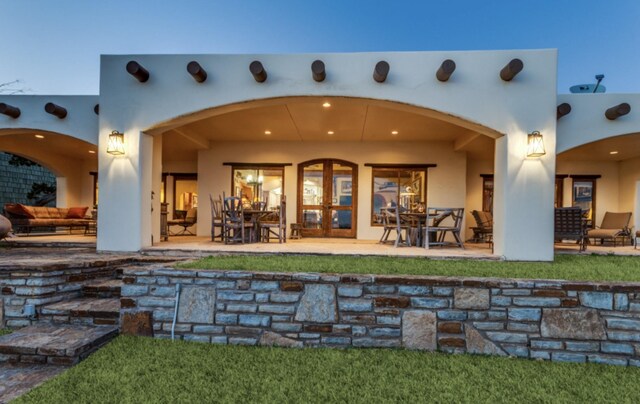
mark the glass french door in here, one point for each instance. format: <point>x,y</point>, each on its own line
<point>327,198</point>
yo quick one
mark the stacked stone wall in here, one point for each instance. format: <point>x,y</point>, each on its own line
<point>538,319</point>
<point>16,181</point>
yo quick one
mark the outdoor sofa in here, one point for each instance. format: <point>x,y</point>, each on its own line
<point>25,217</point>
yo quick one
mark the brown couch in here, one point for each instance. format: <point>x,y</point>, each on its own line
<point>24,217</point>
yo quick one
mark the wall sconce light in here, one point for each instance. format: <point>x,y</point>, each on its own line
<point>115,145</point>
<point>535,145</point>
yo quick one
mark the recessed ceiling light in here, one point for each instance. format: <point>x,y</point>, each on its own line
<point>394,132</point>
<point>613,152</point>
<point>267,132</point>
<point>330,132</point>
<point>40,136</point>
<point>92,151</point>
<point>326,104</point>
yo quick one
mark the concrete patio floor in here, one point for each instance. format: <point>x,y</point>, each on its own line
<point>202,246</point>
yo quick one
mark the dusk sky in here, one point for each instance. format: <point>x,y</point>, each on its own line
<point>54,47</point>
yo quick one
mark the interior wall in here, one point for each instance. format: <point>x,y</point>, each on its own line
<point>446,182</point>
<point>474,189</point>
<point>629,177</point>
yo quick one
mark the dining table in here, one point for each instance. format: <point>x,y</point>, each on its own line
<point>254,216</point>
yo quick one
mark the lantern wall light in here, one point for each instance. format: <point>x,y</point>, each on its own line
<point>115,145</point>
<point>535,145</point>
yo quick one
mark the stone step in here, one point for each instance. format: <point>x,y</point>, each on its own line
<point>54,344</point>
<point>87,311</point>
<point>102,288</point>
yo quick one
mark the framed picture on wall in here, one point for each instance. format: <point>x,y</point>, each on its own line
<point>345,187</point>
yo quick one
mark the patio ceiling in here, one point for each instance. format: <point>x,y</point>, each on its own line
<point>623,148</point>
<point>306,120</point>
<point>25,143</point>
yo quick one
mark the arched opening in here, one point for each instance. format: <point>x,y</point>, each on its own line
<point>601,177</point>
<point>443,156</point>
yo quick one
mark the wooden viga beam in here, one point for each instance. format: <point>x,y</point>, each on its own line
<point>617,111</point>
<point>511,69</point>
<point>318,71</point>
<point>258,71</point>
<point>196,71</point>
<point>562,110</point>
<point>136,70</point>
<point>55,110</point>
<point>381,71</point>
<point>446,70</point>
<point>9,110</point>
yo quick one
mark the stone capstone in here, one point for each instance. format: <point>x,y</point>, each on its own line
<point>419,330</point>
<point>477,344</point>
<point>578,324</point>
<point>197,304</point>
<point>5,227</point>
<point>274,339</point>
<point>137,323</point>
<point>318,304</point>
<point>471,298</point>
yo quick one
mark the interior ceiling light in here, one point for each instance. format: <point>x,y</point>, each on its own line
<point>394,132</point>
<point>40,136</point>
<point>613,152</point>
<point>267,132</point>
<point>326,104</point>
<point>330,132</point>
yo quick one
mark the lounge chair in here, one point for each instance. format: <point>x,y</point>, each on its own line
<point>614,225</point>
<point>483,231</point>
<point>190,219</point>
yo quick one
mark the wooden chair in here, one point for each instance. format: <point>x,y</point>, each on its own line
<point>190,219</point>
<point>275,225</point>
<point>613,226</point>
<point>445,220</point>
<point>391,221</point>
<point>216,218</point>
<point>569,224</point>
<point>234,225</point>
<point>483,231</point>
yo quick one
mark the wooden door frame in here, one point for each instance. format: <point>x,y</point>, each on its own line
<point>327,178</point>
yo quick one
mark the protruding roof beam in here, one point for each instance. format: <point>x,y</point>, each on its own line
<point>258,71</point>
<point>381,71</point>
<point>198,73</point>
<point>511,69</point>
<point>318,71</point>
<point>617,111</point>
<point>136,70</point>
<point>56,110</point>
<point>563,109</point>
<point>96,109</point>
<point>9,110</point>
<point>446,70</point>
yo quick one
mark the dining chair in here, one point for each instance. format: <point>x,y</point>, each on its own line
<point>234,225</point>
<point>445,220</point>
<point>217,220</point>
<point>275,223</point>
<point>392,220</point>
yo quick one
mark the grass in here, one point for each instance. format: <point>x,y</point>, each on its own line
<point>135,369</point>
<point>4,331</point>
<point>571,267</point>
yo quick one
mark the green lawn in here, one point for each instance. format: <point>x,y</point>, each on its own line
<point>4,331</point>
<point>135,369</point>
<point>573,267</point>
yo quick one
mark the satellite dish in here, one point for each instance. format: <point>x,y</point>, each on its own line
<point>587,88</point>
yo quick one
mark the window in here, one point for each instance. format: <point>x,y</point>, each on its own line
<point>258,184</point>
<point>405,187</point>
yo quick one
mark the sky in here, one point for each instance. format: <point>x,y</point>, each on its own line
<point>54,47</point>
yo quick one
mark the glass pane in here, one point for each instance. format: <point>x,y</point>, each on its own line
<point>341,219</point>
<point>312,183</point>
<point>385,192</point>
<point>312,219</point>
<point>342,185</point>
<point>258,185</point>
<point>186,194</point>
<point>583,197</point>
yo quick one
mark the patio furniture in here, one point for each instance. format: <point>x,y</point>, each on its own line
<point>234,225</point>
<point>23,217</point>
<point>636,240</point>
<point>483,230</point>
<point>190,219</point>
<point>614,225</point>
<point>275,224</point>
<point>392,220</point>
<point>295,231</point>
<point>216,218</point>
<point>569,224</point>
<point>445,220</point>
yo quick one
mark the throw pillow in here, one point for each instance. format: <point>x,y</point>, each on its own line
<point>77,213</point>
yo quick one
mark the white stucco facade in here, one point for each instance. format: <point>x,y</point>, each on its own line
<point>475,100</point>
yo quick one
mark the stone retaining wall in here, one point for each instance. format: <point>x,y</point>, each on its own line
<point>541,319</point>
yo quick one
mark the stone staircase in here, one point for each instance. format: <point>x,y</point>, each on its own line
<point>70,330</point>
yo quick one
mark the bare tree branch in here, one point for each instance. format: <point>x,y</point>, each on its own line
<point>9,88</point>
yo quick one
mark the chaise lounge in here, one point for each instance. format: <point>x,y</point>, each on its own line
<point>614,226</point>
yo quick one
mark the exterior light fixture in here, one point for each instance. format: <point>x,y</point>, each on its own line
<point>115,145</point>
<point>39,136</point>
<point>267,132</point>
<point>394,132</point>
<point>535,145</point>
<point>326,104</point>
<point>330,132</point>
<point>613,152</point>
